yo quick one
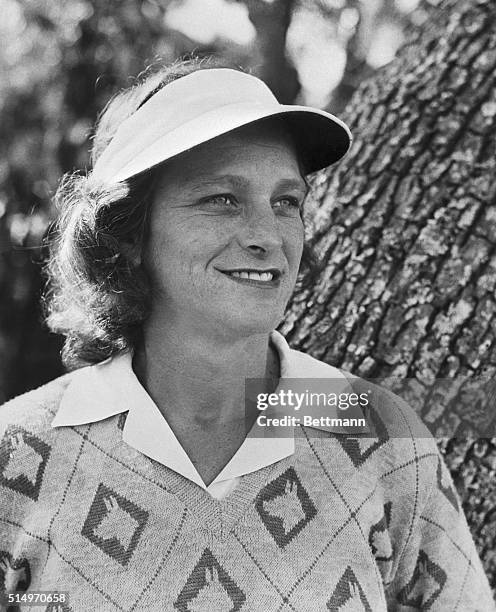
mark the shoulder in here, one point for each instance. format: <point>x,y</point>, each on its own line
<point>398,441</point>
<point>35,409</point>
<point>389,413</point>
<point>402,451</point>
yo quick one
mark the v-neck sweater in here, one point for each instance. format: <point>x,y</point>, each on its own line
<point>370,522</point>
<point>111,388</point>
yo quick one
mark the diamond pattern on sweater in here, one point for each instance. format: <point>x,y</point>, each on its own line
<point>114,524</point>
<point>425,585</point>
<point>15,574</point>
<point>285,507</point>
<point>58,607</point>
<point>208,588</point>
<point>23,458</point>
<point>445,485</point>
<point>348,596</point>
<point>361,448</point>
<point>379,541</point>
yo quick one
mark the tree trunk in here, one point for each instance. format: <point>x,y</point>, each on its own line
<point>271,21</point>
<point>356,68</point>
<point>406,228</point>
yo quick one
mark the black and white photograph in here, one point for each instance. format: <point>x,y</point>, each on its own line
<point>248,305</point>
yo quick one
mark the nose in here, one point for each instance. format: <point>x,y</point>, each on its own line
<point>260,232</point>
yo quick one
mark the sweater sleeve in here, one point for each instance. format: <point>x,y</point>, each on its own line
<point>26,439</point>
<point>440,569</point>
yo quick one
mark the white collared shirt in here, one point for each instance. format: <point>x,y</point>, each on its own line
<point>109,388</point>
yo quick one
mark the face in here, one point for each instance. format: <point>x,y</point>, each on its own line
<point>226,234</point>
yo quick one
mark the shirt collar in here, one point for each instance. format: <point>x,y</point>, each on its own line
<point>111,387</point>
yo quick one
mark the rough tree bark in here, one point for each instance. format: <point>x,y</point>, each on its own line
<point>406,228</point>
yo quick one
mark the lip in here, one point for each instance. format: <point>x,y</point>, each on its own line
<point>272,284</point>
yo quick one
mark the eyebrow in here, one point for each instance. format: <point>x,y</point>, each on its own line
<point>241,181</point>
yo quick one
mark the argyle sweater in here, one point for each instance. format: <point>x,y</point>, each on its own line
<point>345,524</point>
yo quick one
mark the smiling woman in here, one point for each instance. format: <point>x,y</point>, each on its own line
<point>228,210</point>
<point>139,480</point>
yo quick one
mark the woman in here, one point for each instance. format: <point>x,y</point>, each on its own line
<point>131,484</point>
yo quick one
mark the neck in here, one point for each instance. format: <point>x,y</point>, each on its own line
<point>198,380</point>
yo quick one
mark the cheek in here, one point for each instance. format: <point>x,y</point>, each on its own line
<point>161,255</point>
<point>294,244</point>
<point>181,252</point>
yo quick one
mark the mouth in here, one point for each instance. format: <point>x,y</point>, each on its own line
<point>251,276</point>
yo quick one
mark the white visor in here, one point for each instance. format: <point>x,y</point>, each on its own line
<point>205,104</point>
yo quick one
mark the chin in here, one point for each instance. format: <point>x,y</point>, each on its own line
<point>251,324</point>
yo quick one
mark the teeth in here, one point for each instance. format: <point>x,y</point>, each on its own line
<point>260,276</point>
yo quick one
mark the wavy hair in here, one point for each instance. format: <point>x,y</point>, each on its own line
<point>96,296</point>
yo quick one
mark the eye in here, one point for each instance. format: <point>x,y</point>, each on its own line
<point>288,204</point>
<point>221,200</point>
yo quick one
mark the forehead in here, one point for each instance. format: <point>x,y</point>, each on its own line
<point>264,146</point>
<point>268,131</point>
